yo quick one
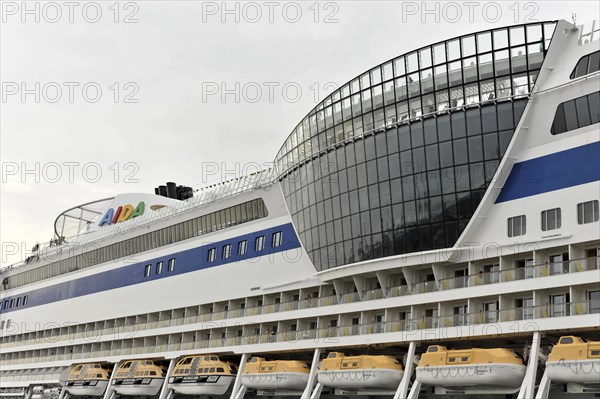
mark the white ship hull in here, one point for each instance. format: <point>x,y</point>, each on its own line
<point>496,376</point>
<point>288,381</point>
<point>137,387</point>
<point>85,388</point>
<point>361,379</point>
<point>209,385</point>
<point>577,371</point>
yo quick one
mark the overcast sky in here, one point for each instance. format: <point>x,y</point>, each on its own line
<point>161,115</point>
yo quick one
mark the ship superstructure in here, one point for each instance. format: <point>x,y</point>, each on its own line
<point>445,199</point>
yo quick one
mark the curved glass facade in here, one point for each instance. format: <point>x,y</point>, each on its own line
<point>397,160</point>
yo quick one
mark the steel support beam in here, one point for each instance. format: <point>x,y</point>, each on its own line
<point>312,376</point>
<point>164,391</point>
<point>408,371</point>
<point>527,390</point>
<point>317,392</point>
<point>237,385</point>
<point>544,388</point>
<point>108,394</point>
<point>415,390</point>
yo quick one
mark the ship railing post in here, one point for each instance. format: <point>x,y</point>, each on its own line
<point>312,376</point>
<point>527,390</point>
<point>237,385</point>
<point>165,391</point>
<point>317,392</point>
<point>408,371</point>
<point>109,389</point>
<point>544,388</point>
<point>415,390</point>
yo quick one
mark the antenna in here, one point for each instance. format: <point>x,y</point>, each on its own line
<point>574,18</point>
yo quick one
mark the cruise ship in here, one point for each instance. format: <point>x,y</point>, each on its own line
<point>430,228</point>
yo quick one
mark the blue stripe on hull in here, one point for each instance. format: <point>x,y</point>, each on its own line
<point>573,167</point>
<point>187,261</point>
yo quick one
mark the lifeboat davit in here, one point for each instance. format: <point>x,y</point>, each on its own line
<point>360,372</point>
<point>573,360</point>
<point>495,369</point>
<point>88,379</point>
<point>139,377</point>
<point>202,375</point>
<point>289,375</point>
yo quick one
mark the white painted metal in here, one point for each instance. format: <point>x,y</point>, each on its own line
<point>408,371</point>
<point>312,377</point>
<point>238,378</point>
<point>527,390</point>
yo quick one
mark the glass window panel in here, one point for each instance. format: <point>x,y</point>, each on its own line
<point>355,86</point>
<point>583,111</point>
<point>401,89</point>
<point>503,88</point>
<point>432,156</point>
<point>404,137</point>
<point>534,33</point>
<point>388,93</point>
<point>535,56</point>
<point>460,152</point>
<point>594,102</point>
<point>446,158</point>
<point>439,53</point>
<point>570,115</point>
<point>594,63</point>
<point>461,175</point>
<point>427,81</point>
<point>504,138</point>
<point>486,66</point>
<point>441,77</point>
<point>470,69</point>
<point>414,85</point>
<point>484,42</point>
<point>412,62</point>
<point>388,71</point>
<point>468,46</point>
<point>415,107</point>
<point>472,93</point>
<point>375,76</point>
<point>518,59</point>
<point>425,57</point>
<point>365,81</point>
<point>366,101</point>
<point>453,49</point>
<point>455,73</point>
<point>459,128</point>
<point>456,97</point>
<point>402,110</point>
<point>428,103</point>
<point>416,134</point>
<point>500,38</point>
<point>517,36</point>
<point>377,95</point>
<point>473,122</point>
<point>490,146</point>
<point>399,67</point>
<point>501,62</point>
<point>487,90</point>
<point>477,176</point>
<point>442,100</point>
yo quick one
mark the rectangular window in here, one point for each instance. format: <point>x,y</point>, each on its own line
<point>517,226</point>
<point>242,247</point>
<point>212,255</point>
<point>276,241</point>
<point>25,298</point>
<point>171,266</point>
<point>148,271</point>
<point>551,219</point>
<point>259,243</point>
<point>587,212</point>
<point>226,251</point>
<point>159,267</point>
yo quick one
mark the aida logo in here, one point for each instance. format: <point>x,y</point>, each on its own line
<point>122,214</point>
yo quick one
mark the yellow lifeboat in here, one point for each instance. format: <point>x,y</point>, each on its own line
<point>360,372</point>
<point>142,377</point>
<point>573,360</point>
<point>497,369</point>
<point>88,379</point>
<point>290,375</point>
<point>202,375</point>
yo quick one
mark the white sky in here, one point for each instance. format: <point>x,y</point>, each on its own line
<point>174,51</point>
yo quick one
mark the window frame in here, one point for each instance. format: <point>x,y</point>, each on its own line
<point>581,212</point>
<point>276,239</point>
<point>226,253</point>
<point>557,219</point>
<point>211,255</point>
<point>148,270</point>
<point>511,226</point>
<point>259,243</point>
<point>159,267</point>
<point>171,265</point>
<point>242,247</point>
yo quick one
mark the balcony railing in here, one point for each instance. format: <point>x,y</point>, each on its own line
<point>521,273</point>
